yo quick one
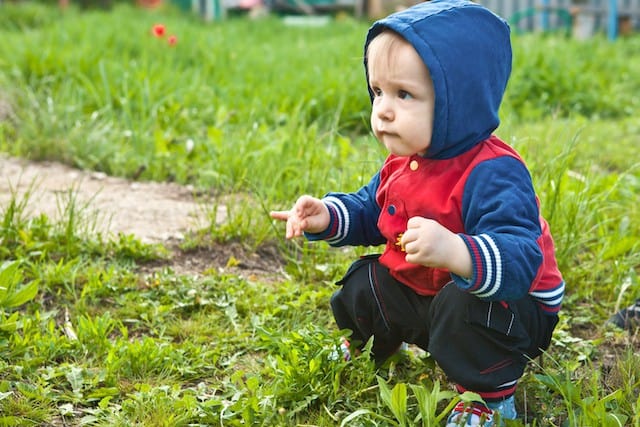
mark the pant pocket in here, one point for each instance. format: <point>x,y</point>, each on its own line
<point>497,319</point>
<point>356,265</point>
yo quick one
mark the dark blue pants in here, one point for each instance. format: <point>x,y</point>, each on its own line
<point>482,346</point>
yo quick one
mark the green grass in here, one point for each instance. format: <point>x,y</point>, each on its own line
<point>91,334</point>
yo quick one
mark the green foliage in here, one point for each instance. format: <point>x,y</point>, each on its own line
<point>11,295</point>
<point>565,77</point>
<point>426,400</point>
<point>24,16</point>
<point>591,410</point>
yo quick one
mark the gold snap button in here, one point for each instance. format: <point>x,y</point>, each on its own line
<point>413,165</point>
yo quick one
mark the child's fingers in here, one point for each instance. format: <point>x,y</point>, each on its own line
<point>407,237</point>
<point>280,215</point>
<point>289,230</point>
<point>414,222</point>
<point>294,229</point>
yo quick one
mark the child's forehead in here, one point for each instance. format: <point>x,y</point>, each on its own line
<point>388,50</point>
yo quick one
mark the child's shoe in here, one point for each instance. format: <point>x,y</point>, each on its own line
<point>345,349</point>
<point>478,414</point>
<point>342,352</point>
<point>506,408</point>
<point>470,414</point>
<point>627,318</point>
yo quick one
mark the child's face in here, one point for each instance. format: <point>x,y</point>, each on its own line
<point>402,111</point>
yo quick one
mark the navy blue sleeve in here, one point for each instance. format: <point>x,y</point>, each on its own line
<point>354,217</point>
<point>502,224</point>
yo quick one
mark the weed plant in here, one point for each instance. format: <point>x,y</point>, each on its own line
<point>253,113</point>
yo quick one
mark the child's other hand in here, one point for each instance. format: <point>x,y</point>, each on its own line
<point>428,243</point>
<point>308,214</point>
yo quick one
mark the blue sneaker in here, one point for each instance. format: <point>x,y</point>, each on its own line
<point>473,414</point>
<point>506,408</point>
<point>478,414</point>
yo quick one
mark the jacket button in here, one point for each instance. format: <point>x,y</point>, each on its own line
<point>391,209</point>
<point>413,165</point>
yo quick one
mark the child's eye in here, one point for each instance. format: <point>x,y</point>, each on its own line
<point>403,94</point>
<point>376,91</point>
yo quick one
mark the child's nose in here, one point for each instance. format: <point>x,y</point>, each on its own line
<point>384,109</point>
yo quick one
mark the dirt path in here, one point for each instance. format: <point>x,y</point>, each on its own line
<point>154,212</point>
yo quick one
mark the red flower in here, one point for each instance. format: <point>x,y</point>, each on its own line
<point>158,30</point>
<point>172,40</point>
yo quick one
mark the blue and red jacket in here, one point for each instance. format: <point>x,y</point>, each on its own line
<point>469,180</point>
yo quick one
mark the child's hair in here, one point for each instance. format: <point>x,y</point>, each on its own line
<point>383,43</point>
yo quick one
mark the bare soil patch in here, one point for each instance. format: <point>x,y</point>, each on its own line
<point>153,212</point>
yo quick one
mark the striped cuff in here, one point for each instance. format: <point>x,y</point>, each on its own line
<point>338,222</point>
<point>487,265</point>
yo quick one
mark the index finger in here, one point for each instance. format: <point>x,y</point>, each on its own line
<point>280,215</point>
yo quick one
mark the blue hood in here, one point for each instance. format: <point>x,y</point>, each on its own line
<point>467,49</point>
